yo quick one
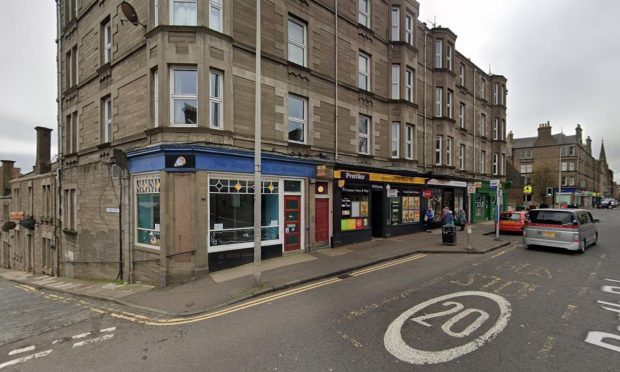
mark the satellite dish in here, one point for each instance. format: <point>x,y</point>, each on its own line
<point>130,13</point>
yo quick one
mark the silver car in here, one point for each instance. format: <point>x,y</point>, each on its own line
<point>572,229</point>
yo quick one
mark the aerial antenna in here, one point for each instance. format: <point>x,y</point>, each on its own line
<point>130,14</point>
<point>433,22</point>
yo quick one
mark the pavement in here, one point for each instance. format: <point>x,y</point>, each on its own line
<point>234,285</point>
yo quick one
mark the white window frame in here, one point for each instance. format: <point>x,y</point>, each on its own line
<point>462,115</point>
<point>365,58</point>
<point>156,13</point>
<point>363,15</point>
<point>216,5</point>
<point>449,100</point>
<point>395,140</point>
<point>70,209</point>
<point>366,135</point>
<point>449,56</point>
<point>295,43</point>
<point>395,91</point>
<point>438,150</point>
<point>409,81</point>
<point>193,22</point>
<point>462,150</point>
<point>439,53</point>
<point>409,141</point>
<point>174,96</point>
<point>449,143</point>
<point>462,74</point>
<point>303,121</point>
<point>156,178</point>
<point>496,129</point>
<point>502,165</point>
<point>409,28</point>
<point>156,97</point>
<point>107,41</point>
<point>395,24</point>
<point>107,120</point>
<point>483,125</point>
<point>483,88</point>
<point>496,94</point>
<point>438,102</point>
<point>495,164</point>
<point>216,99</point>
<point>483,162</point>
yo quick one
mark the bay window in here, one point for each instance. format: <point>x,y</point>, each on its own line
<point>184,96</point>
<point>184,12</point>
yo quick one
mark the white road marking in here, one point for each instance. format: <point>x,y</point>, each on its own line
<point>395,344</point>
<point>597,338</point>
<point>499,254</point>
<point>81,335</point>
<point>56,341</point>
<point>22,350</point>
<point>25,359</point>
<point>108,329</point>
<point>93,340</point>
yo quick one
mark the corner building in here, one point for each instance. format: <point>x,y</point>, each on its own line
<point>157,130</point>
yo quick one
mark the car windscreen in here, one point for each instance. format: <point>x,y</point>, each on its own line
<point>551,217</point>
<point>510,217</point>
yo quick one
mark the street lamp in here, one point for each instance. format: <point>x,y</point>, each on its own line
<point>257,154</point>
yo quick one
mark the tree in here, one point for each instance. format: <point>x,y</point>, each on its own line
<point>541,179</point>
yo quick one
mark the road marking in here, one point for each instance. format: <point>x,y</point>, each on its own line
<point>499,254</point>
<point>26,358</point>
<point>570,309</point>
<point>545,352</point>
<point>93,340</point>
<point>108,329</point>
<point>81,335</point>
<point>396,345</point>
<point>22,350</point>
<point>386,265</point>
<point>26,288</point>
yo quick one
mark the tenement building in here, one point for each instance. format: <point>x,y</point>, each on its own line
<point>368,118</point>
<point>562,164</point>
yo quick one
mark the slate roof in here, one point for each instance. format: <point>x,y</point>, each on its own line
<point>560,139</point>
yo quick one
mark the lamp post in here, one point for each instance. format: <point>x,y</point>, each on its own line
<point>257,154</point>
<point>560,177</point>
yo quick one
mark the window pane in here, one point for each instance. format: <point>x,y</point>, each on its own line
<point>362,63</point>
<point>184,13</point>
<point>292,186</point>
<point>215,114</point>
<point>296,32</point>
<point>296,54</point>
<point>296,107</point>
<point>215,84</point>
<point>363,146</point>
<point>363,125</point>
<point>214,20</point>
<point>185,111</point>
<point>185,82</point>
<point>231,211</point>
<point>148,211</point>
<point>295,131</point>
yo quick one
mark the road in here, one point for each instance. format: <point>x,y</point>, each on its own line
<point>509,310</point>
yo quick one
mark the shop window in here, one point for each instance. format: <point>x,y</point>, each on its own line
<point>148,228</point>
<point>411,206</point>
<point>231,211</point>
<point>354,208</point>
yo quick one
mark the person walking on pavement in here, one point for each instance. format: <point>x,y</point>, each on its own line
<point>448,217</point>
<point>428,218</point>
<point>462,219</point>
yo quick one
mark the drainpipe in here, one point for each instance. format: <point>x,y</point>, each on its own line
<point>471,202</point>
<point>425,93</point>
<point>336,81</point>
<point>57,222</point>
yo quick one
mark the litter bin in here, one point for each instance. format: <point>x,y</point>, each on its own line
<point>448,234</point>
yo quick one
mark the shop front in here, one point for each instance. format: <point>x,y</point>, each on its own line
<point>484,202</point>
<point>194,206</point>
<point>447,193</point>
<point>368,205</point>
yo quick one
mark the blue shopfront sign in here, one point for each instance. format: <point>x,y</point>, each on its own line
<point>217,160</point>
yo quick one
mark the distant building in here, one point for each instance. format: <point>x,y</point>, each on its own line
<point>565,163</point>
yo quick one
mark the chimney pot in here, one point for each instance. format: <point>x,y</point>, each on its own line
<point>44,141</point>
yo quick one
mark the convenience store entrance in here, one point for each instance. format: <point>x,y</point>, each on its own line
<point>376,213</point>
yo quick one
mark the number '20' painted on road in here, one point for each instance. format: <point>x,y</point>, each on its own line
<point>394,343</point>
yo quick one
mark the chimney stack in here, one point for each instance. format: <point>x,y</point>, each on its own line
<point>44,139</point>
<point>589,145</point>
<point>544,129</point>
<point>7,174</point>
<point>578,132</point>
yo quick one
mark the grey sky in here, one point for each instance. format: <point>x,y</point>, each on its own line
<point>559,57</point>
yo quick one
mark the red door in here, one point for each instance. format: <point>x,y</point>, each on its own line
<point>292,222</point>
<point>321,220</point>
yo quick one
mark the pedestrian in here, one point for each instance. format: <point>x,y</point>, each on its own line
<point>428,218</point>
<point>462,219</point>
<point>448,217</point>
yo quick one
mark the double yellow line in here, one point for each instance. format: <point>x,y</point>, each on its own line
<point>274,297</point>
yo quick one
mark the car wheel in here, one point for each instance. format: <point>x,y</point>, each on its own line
<point>582,247</point>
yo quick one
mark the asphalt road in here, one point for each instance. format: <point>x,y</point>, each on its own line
<point>509,310</point>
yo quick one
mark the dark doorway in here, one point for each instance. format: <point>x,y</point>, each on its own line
<point>376,213</point>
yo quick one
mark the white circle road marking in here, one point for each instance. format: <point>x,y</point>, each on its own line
<point>394,343</point>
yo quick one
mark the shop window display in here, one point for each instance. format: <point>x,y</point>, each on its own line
<point>148,211</point>
<point>231,211</point>
<point>354,208</point>
<point>435,204</point>
<point>411,206</point>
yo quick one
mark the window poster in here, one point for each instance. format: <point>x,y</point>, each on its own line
<point>411,206</point>
<point>354,208</point>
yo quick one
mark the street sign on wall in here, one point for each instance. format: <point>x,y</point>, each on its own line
<point>527,189</point>
<point>471,189</point>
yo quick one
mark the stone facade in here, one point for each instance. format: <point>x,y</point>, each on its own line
<point>118,92</point>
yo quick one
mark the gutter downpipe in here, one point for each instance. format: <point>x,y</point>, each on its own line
<point>425,94</point>
<point>57,220</point>
<point>471,202</point>
<point>336,81</point>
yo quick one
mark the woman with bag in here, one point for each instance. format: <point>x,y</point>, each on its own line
<point>462,219</point>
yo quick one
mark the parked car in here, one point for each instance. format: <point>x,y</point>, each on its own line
<point>614,203</point>
<point>572,206</point>
<point>606,203</point>
<point>512,221</point>
<point>572,229</point>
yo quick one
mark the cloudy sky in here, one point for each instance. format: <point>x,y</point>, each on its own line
<point>559,56</point>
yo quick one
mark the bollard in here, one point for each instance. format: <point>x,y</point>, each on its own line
<point>469,247</point>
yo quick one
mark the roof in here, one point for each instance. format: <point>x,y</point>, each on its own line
<point>560,139</point>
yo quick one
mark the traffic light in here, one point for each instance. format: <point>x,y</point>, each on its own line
<point>549,191</point>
